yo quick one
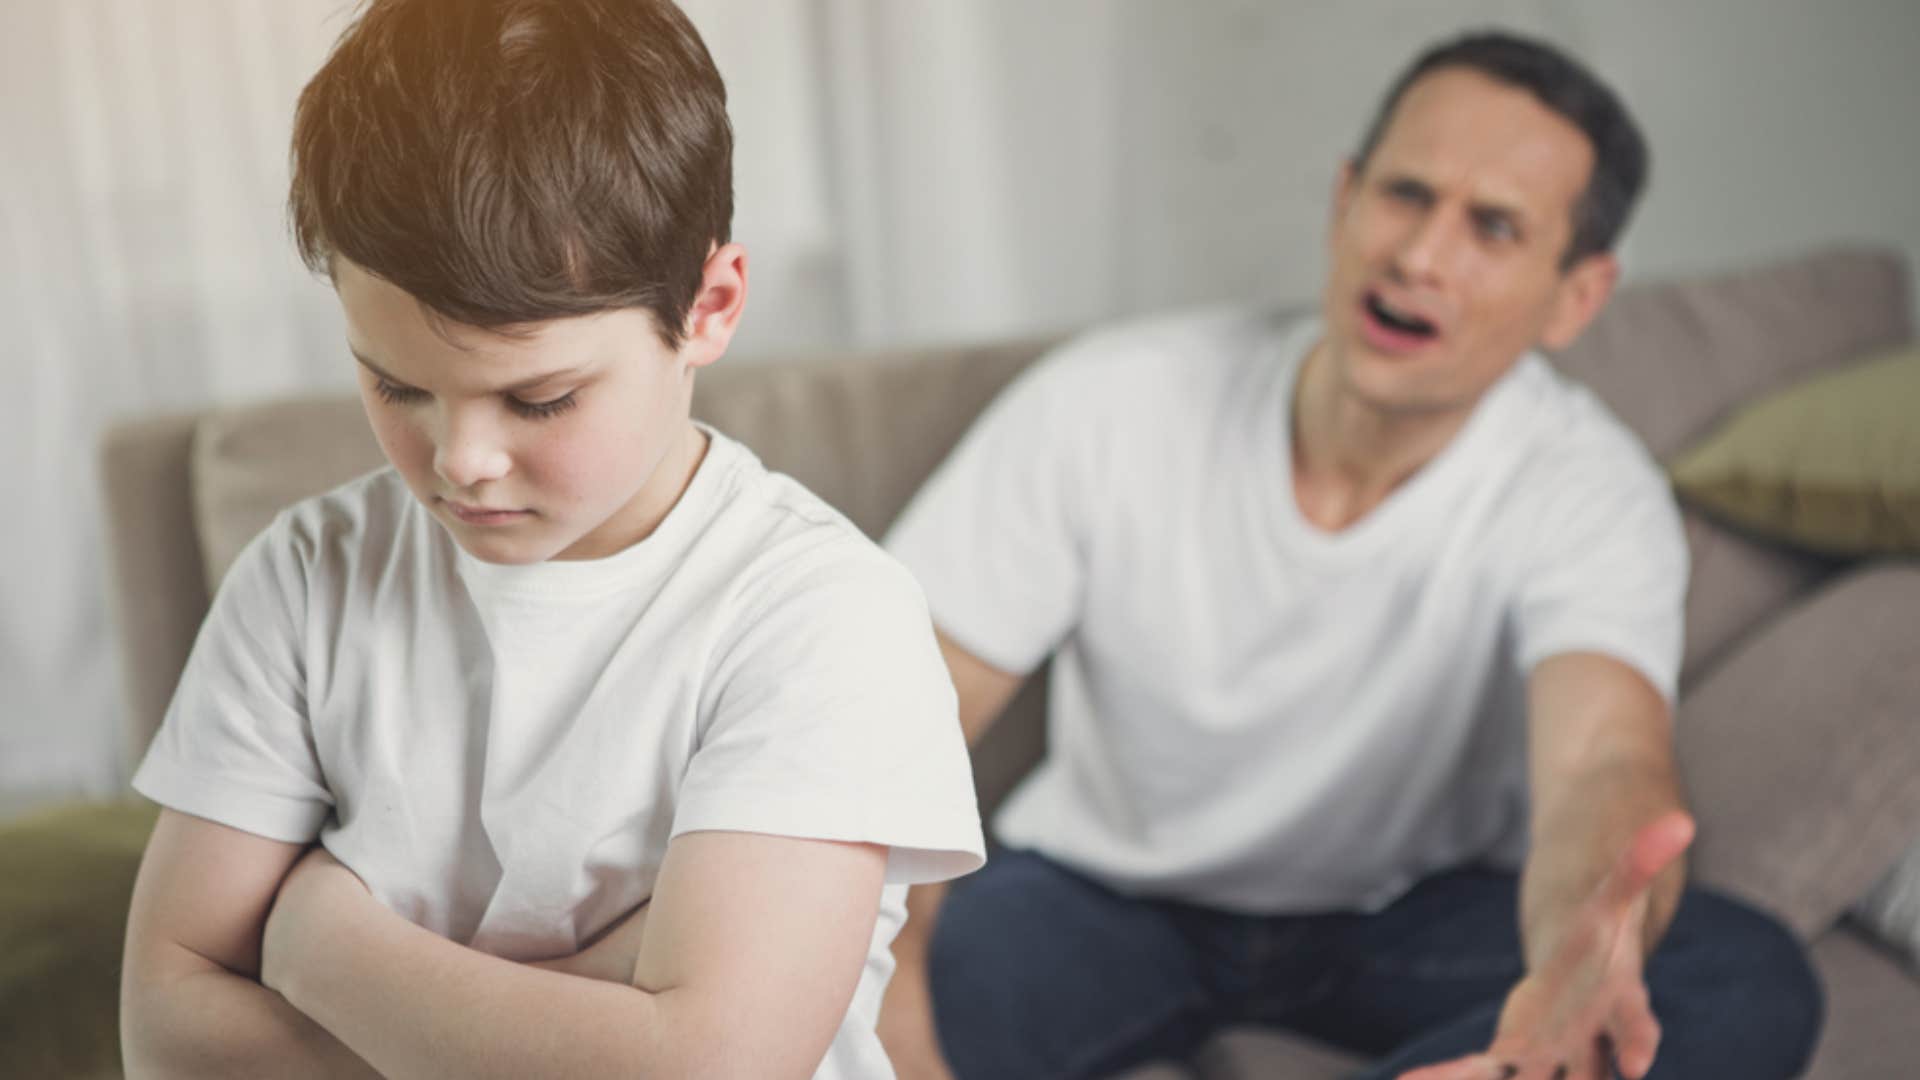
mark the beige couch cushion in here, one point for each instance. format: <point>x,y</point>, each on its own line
<point>1831,464</point>
<point>1801,752</point>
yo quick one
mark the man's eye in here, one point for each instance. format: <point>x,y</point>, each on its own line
<point>395,394</point>
<point>1498,227</point>
<point>541,410</point>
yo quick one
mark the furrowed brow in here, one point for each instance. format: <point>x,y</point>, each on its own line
<point>1512,215</point>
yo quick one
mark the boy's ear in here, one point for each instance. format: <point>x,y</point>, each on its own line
<point>716,309</point>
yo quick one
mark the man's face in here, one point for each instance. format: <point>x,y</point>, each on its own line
<point>1447,245</point>
<point>544,444</point>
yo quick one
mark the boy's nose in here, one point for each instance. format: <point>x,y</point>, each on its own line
<point>468,455</point>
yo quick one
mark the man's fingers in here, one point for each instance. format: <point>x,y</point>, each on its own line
<point>1471,1067</point>
<point>1635,1035</point>
<point>1653,848</point>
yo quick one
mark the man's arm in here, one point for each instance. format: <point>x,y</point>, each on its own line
<point>906,1016</point>
<point>1602,770</point>
<point>190,1002</point>
<point>751,949</point>
<point>1601,882</point>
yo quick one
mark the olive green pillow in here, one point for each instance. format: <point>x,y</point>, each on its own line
<point>65,879</point>
<point>1831,465</point>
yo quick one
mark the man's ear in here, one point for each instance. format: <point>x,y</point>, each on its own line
<point>1583,290</point>
<point>715,313</point>
<point>1343,185</point>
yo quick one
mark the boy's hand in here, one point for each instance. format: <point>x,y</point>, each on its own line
<point>319,887</point>
<point>612,956</point>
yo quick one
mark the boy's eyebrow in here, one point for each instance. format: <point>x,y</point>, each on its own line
<point>524,384</point>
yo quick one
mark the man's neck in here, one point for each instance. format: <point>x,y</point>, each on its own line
<point>1349,455</point>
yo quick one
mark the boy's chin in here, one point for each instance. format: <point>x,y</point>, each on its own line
<point>503,550</point>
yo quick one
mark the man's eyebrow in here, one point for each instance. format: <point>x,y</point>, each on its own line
<point>1491,208</point>
<point>522,385</point>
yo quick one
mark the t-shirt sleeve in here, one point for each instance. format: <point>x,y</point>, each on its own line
<point>831,716</point>
<point>997,536</point>
<point>235,746</point>
<point>1604,568</point>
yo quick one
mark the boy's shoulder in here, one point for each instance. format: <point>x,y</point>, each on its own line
<point>783,541</point>
<point>364,517</point>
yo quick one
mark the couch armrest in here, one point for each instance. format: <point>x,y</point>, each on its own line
<point>1801,750</point>
<point>156,589</point>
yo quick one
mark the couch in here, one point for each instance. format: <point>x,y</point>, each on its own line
<point>1799,727</point>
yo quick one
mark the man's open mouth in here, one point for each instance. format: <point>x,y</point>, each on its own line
<point>1399,321</point>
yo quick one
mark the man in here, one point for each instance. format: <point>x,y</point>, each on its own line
<point>1365,636</point>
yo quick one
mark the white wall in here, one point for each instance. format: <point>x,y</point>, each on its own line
<point>1775,125</point>
<point>908,170</point>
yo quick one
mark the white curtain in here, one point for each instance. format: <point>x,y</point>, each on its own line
<point>144,266</point>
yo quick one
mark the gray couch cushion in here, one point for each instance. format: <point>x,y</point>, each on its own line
<point>1801,752</point>
<point>1736,582</point>
<point>1891,912</point>
<point>861,433</point>
<point>1871,1008</point>
<point>1673,359</point>
<point>249,464</point>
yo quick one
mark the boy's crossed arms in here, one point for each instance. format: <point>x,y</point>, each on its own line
<point>258,957</point>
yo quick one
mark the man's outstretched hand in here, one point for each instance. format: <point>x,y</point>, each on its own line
<point>1585,1011</point>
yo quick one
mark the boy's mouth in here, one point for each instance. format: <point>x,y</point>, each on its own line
<point>483,515</point>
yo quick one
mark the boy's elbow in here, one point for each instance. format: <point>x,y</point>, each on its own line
<point>711,1039</point>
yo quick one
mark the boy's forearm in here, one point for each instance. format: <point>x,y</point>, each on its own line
<point>213,1023</point>
<point>417,1005</point>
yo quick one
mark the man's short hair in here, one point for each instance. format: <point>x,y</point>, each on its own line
<point>512,161</point>
<point>1569,89</point>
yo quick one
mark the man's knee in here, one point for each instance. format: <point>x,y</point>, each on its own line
<point>1742,979</point>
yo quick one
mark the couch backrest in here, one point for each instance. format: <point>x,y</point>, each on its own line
<point>1674,359</point>
<point>865,431</point>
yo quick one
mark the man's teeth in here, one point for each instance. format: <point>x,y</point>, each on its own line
<point>1411,324</point>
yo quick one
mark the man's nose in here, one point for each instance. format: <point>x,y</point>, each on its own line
<point>1428,247</point>
<point>471,449</point>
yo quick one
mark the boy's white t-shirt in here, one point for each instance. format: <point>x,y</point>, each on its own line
<point>502,753</point>
<point>1248,711</point>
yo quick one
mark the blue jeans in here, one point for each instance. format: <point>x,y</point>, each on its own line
<point>1038,972</point>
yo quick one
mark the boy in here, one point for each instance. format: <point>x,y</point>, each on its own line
<point>619,750</point>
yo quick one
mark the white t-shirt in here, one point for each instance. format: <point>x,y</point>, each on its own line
<point>502,753</point>
<point>1248,711</point>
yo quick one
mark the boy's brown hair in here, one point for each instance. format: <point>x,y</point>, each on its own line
<point>512,161</point>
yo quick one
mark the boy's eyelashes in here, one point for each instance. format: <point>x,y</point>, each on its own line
<point>540,410</point>
<point>394,394</point>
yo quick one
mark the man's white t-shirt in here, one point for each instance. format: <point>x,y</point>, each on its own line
<point>502,753</point>
<point>1245,710</point>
